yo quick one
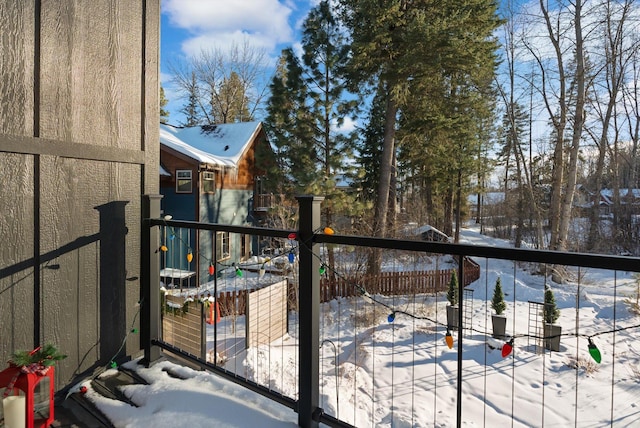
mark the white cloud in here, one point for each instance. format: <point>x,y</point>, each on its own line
<point>265,23</point>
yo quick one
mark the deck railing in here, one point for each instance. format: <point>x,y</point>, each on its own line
<point>364,351</point>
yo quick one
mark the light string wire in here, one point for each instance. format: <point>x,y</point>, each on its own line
<point>394,311</point>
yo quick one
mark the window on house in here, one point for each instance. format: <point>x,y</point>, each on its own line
<point>223,247</point>
<point>208,183</point>
<point>183,181</point>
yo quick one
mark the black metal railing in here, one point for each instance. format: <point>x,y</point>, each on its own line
<point>312,327</point>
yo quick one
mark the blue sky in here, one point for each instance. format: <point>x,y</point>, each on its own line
<point>188,26</point>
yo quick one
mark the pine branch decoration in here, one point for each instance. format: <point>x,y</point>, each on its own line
<point>46,356</point>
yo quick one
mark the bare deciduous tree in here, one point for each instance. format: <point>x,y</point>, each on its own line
<point>229,84</point>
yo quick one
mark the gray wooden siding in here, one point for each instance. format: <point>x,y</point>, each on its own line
<point>78,149</point>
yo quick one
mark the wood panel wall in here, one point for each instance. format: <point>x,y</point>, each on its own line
<point>185,329</point>
<point>79,147</point>
<point>266,315</point>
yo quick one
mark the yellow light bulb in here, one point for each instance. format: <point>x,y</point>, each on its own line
<point>189,257</point>
<point>164,248</point>
<point>328,231</point>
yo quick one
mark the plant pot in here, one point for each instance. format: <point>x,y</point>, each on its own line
<point>552,334</point>
<point>452,317</point>
<point>499,323</point>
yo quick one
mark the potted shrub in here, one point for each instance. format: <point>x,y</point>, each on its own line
<point>551,314</point>
<point>452,308</point>
<point>498,305</point>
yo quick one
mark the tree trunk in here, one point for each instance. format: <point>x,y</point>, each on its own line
<point>382,201</point>
<point>578,124</point>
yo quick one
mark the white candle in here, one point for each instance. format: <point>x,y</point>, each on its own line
<point>15,409</point>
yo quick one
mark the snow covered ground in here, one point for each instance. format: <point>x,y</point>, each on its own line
<point>401,374</point>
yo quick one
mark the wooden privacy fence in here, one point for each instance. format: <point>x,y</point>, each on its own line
<point>183,325</point>
<point>266,314</point>
<point>396,283</point>
<point>385,283</point>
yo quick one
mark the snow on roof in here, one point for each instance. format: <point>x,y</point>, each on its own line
<point>622,192</point>
<point>164,172</point>
<point>221,145</point>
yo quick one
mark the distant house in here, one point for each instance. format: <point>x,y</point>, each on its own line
<point>209,174</point>
<point>584,200</point>
<point>425,233</point>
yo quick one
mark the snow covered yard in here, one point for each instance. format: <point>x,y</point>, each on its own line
<point>402,374</point>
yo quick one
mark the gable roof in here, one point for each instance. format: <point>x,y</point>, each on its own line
<point>220,145</point>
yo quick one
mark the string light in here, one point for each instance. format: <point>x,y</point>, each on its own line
<point>448,338</point>
<point>594,351</point>
<point>507,348</point>
<point>212,270</point>
<point>164,248</point>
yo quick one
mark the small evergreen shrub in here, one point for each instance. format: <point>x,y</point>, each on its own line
<point>452,293</point>
<point>497,302</point>
<point>551,311</point>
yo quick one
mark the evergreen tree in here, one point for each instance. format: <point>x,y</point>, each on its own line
<point>288,124</point>
<point>551,311</point>
<point>435,52</point>
<point>307,103</point>
<point>452,292</point>
<point>164,114</point>
<point>497,302</point>
<point>190,110</point>
<point>370,148</point>
<point>229,103</point>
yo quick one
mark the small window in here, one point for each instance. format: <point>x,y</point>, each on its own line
<point>183,181</point>
<point>208,183</point>
<point>223,248</point>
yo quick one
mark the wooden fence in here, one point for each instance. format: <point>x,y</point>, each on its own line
<point>396,283</point>
<point>385,283</point>
<point>183,325</point>
<point>266,314</point>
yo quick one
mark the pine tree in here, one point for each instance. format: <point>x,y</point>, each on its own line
<point>551,311</point>
<point>452,292</point>
<point>440,53</point>
<point>164,114</point>
<point>190,110</point>
<point>497,302</point>
<point>307,102</point>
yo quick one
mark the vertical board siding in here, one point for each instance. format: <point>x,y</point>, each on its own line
<point>75,72</point>
<point>16,68</point>
<point>266,318</point>
<point>16,254</point>
<point>90,72</point>
<point>184,329</point>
